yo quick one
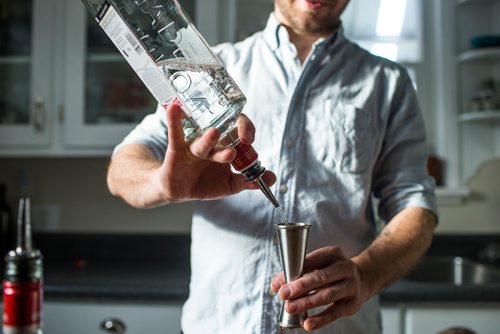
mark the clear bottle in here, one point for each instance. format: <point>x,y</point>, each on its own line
<point>176,64</point>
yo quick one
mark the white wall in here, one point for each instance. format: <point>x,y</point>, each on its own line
<point>73,191</point>
<point>480,212</point>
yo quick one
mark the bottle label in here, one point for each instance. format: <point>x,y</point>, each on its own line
<point>21,305</point>
<point>135,53</point>
<point>245,156</point>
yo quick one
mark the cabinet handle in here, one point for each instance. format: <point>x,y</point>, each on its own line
<point>113,325</point>
<point>39,114</point>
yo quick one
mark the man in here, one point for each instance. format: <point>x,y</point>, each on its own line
<point>337,125</point>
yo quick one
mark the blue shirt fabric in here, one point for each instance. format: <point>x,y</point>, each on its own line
<point>340,129</point>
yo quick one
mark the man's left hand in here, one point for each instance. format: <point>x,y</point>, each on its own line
<point>330,279</point>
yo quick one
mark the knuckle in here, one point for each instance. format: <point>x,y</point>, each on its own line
<point>321,276</point>
<point>335,251</point>
<point>332,249</point>
<point>308,304</point>
<point>300,287</point>
<point>330,295</point>
<point>340,252</point>
<point>350,266</point>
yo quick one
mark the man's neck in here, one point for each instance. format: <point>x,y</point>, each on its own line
<point>303,44</point>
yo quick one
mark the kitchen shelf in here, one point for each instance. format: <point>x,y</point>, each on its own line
<point>13,60</point>
<point>452,196</point>
<point>492,54</point>
<point>480,116</point>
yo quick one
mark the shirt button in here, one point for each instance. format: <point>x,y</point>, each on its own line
<point>289,143</point>
<point>283,189</point>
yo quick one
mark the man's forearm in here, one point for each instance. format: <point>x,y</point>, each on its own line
<point>398,248</point>
<point>132,176</point>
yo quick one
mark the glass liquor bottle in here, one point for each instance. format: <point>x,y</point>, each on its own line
<point>174,61</point>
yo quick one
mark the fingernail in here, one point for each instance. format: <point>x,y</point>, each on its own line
<point>275,286</point>
<point>311,325</point>
<point>285,292</point>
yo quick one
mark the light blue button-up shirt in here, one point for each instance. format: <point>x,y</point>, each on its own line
<point>342,127</point>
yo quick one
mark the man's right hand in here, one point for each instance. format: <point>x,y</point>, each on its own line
<point>191,170</point>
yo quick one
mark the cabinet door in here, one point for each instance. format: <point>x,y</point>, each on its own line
<point>26,53</point>
<point>432,320</point>
<point>104,98</point>
<point>87,318</point>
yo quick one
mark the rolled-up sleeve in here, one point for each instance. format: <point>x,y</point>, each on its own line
<point>400,175</point>
<point>151,132</point>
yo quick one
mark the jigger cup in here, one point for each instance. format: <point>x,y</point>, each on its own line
<point>292,239</point>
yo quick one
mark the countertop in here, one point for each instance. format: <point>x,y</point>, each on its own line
<point>156,268</point>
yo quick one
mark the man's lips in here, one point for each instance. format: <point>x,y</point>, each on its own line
<point>313,5</point>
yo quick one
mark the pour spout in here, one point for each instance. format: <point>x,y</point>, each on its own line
<point>24,227</point>
<point>265,189</point>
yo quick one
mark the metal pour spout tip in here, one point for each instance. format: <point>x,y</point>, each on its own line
<point>265,189</point>
<point>24,227</point>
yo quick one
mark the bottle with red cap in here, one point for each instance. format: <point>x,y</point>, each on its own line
<point>23,281</point>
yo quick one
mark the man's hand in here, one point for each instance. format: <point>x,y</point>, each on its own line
<point>200,169</point>
<point>330,280</point>
<point>346,284</point>
<point>191,170</point>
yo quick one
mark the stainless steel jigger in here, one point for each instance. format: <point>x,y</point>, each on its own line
<point>292,238</point>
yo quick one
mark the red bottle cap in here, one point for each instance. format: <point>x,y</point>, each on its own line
<point>245,156</point>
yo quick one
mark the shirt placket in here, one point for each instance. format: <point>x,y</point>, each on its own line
<point>292,140</point>
<point>298,82</point>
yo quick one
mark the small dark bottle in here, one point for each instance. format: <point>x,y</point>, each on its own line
<point>6,233</point>
<point>23,281</point>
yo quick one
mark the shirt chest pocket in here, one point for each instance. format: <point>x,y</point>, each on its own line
<point>346,137</point>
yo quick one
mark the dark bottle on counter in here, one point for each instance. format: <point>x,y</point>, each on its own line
<point>23,281</point>
<point>6,233</point>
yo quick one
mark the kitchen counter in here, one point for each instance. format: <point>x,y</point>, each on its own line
<point>150,282</point>
<point>415,292</point>
<point>156,268</point>
<point>115,267</point>
<point>117,281</point>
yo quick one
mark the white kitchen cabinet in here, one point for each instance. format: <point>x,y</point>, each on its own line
<point>432,319</point>
<point>88,318</point>
<point>101,107</point>
<point>25,72</point>
<point>64,88</point>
